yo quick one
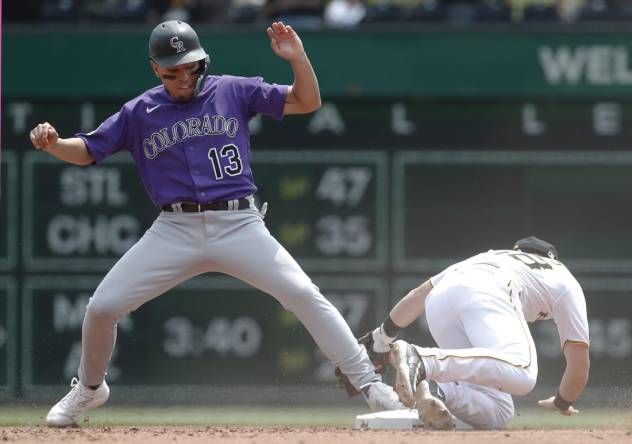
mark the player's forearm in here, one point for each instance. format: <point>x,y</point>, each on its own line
<point>573,383</point>
<point>72,150</point>
<point>305,88</point>
<point>577,356</point>
<point>411,306</point>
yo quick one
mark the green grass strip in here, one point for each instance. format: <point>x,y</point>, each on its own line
<point>22,415</point>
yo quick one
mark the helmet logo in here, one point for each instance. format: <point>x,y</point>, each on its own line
<point>177,44</point>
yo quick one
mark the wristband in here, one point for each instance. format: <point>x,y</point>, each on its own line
<point>390,328</point>
<point>560,402</point>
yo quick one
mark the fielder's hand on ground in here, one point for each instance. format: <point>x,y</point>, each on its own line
<point>285,41</point>
<point>44,136</point>
<point>550,404</point>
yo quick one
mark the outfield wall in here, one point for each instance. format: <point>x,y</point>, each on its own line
<point>494,62</point>
<point>430,146</point>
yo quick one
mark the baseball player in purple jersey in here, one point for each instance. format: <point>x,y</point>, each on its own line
<point>189,138</point>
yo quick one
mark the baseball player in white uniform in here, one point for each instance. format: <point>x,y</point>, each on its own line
<point>190,140</point>
<point>477,311</point>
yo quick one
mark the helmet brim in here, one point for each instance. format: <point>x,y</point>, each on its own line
<point>195,55</point>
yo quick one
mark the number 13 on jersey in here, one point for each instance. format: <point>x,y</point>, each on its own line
<point>234,165</point>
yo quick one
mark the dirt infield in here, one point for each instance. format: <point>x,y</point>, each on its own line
<point>264,435</point>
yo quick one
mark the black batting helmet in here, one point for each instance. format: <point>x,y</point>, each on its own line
<point>175,43</point>
<point>537,246</point>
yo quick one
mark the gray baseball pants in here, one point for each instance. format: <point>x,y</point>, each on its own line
<point>179,246</point>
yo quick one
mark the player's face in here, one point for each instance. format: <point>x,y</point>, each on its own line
<point>179,81</point>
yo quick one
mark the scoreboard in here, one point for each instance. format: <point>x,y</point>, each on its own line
<point>367,225</point>
<point>371,197</point>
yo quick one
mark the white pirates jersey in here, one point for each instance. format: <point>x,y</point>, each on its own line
<point>546,288</point>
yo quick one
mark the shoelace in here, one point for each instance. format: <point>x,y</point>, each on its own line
<point>77,396</point>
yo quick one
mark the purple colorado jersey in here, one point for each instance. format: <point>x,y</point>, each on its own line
<point>197,151</point>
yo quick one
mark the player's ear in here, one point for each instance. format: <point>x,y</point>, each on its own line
<point>154,67</point>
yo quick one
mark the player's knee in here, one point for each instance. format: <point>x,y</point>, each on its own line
<point>525,384</point>
<point>504,415</point>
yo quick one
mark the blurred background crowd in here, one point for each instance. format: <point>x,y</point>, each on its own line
<point>316,14</point>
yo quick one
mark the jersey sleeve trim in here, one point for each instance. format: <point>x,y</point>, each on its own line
<point>573,341</point>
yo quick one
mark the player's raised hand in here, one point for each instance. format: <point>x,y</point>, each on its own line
<point>285,41</point>
<point>44,136</point>
<point>550,404</point>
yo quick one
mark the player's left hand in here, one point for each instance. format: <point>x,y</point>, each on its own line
<point>285,41</point>
<point>549,404</point>
<point>378,353</point>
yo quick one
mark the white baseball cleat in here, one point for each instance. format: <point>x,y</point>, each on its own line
<point>409,370</point>
<point>78,401</point>
<point>381,397</point>
<point>414,391</point>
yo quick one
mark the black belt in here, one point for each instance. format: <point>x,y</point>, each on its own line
<point>192,207</point>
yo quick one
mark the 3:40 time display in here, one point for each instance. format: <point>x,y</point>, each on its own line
<point>240,337</point>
